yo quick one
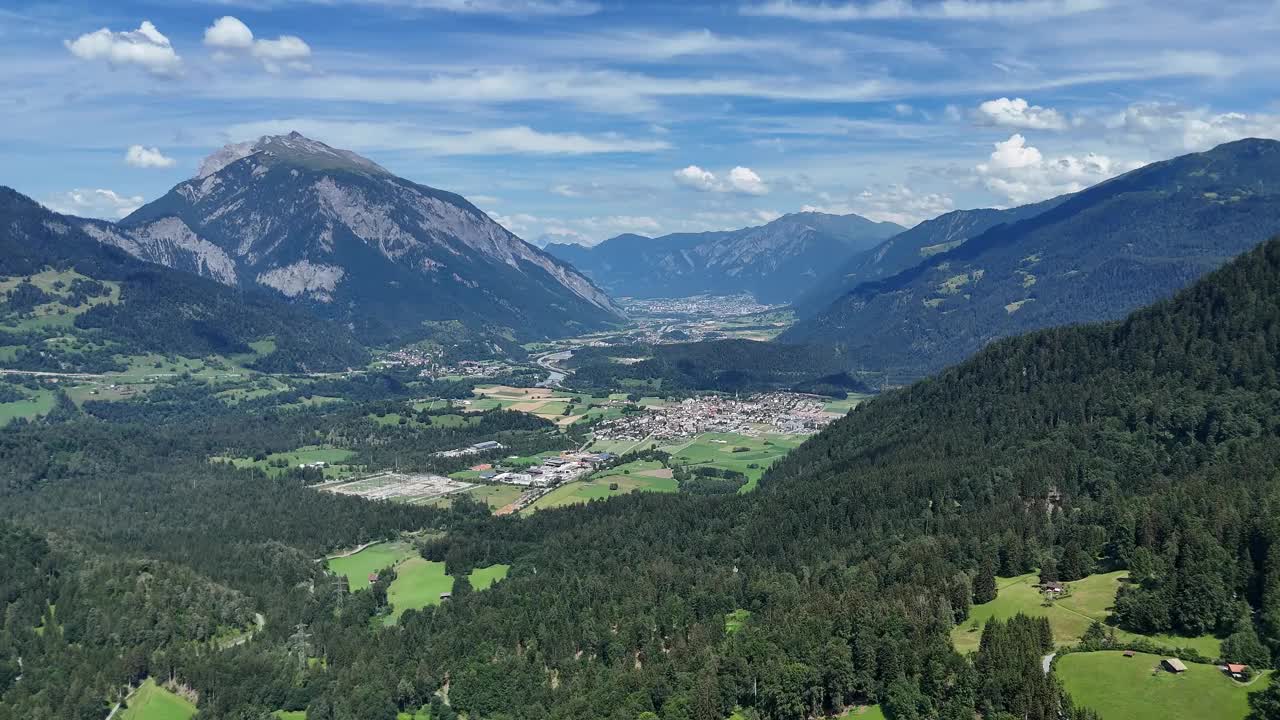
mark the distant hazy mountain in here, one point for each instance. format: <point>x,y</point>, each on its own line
<point>1094,256</point>
<point>908,249</point>
<point>773,262</point>
<point>340,234</point>
<point>109,303</point>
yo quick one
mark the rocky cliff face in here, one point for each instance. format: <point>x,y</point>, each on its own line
<point>335,230</point>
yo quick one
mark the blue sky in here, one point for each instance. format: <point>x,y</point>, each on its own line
<point>576,120</point>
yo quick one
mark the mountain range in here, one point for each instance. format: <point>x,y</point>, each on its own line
<point>773,262</point>
<point>1094,255</point>
<point>74,303</point>
<point>344,237</point>
<point>908,249</point>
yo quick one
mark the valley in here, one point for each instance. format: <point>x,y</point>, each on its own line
<point>584,360</point>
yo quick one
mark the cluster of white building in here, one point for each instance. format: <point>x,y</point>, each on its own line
<point>553,471</point>
<point>787,413</point>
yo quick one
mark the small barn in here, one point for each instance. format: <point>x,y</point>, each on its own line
<point>1128,653</point>
<point>1173,665</point>
<point>373,578</point>
<point>1237,670</point>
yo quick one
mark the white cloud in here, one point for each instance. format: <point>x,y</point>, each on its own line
<point>566,8</point>
<point>231,38</point>
<point>228,33</point>
<point>583,230</point>
<point>903,109</point>
<point>1023,174</point>
<point>144,47</point>
<point>518,140</point>
<point>286,50</point>
<point>697,178</point>
<point>1018,113</point>
<point>145,157</point>
<point>1171,128</point>
<point>741,180</point>
<point>894,203</point>
<point>929,9</point>
<point>744,180</point>
<point>906,9</point>
<point>98,203</point>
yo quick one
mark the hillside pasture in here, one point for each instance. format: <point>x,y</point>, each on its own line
<point>152,702</point>
<point>358,567</point>
<point>1136,688</point>
<point>1090,598</point>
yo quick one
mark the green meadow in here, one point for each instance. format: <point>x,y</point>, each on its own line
<point>1089,599</point>
<point>748,455</point>
<point>152,702</point>
<point>640,476</point>
<point>335,457</point>
<point>360,566</point>
<point>1136,688</point>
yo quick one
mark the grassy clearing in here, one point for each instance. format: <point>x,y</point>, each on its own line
<point>576,493</point>
<point>335,457</point>
<point>372,559</point>
<point>290,714</point>
<point>844,406</point>
<point>1090,599</point>
<point>748,455</point>
<point>420,582</point>
<point>1121,688</point>
<point>152,702</point>
<point>37,404</point>
<point>59,312</point>
<point>495,496</point>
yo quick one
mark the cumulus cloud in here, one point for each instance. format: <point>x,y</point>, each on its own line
<point>228,33</point>
<point>145,47</point>
<point>926,10</point>
<point>741,180</point>
<point>90,202</point>
<point>1173,128</point>
<point>894,203</point>
<point>1021,173</point>
<point>230,38</point>
<point>145,157</point>
<point>1019,113</point>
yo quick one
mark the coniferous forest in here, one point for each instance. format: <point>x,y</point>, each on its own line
<point>1148,445</point>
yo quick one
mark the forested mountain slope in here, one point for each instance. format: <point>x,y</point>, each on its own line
<point>908,249</point>
<point>1148,445</point>
<point>343,236</point>
<point>117,305</point>
<point>1097,255</point>
<point>773,262</point>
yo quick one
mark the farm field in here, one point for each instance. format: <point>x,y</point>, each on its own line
<point>646,476</point>
<point>844,406</point>
<point>718,450</point>
<point>1091,599</point>
<point>1121,688</point>
<point>152,702</point>
<point>551,404</point>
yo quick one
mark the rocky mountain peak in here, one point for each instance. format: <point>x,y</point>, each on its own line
<point>294,148</point>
